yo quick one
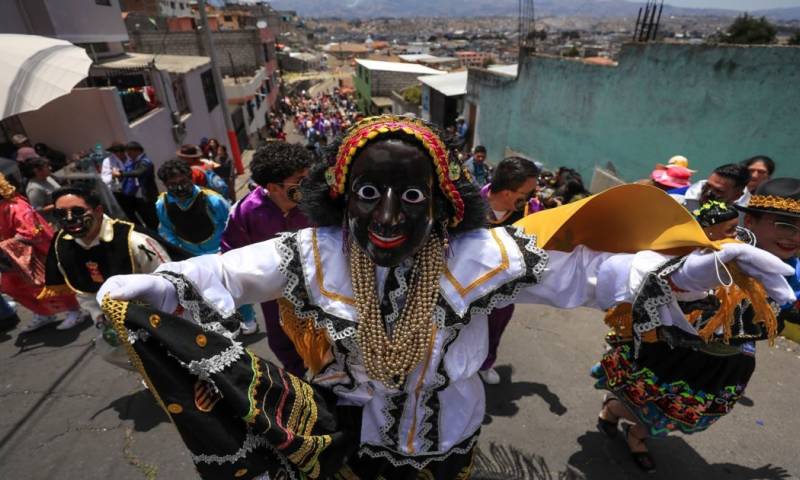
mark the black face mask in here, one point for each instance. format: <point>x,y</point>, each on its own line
<point>78,226</point>
<point>182,190</point>
<point>390,201</point>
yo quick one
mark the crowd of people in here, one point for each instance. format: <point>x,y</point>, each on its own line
<point>347,305</point>
<point>321,118</point>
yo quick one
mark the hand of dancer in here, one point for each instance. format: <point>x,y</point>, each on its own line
<point>154,290</point>
<point>705,270</point>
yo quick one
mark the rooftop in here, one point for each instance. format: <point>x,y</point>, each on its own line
<point>416,57</point>
<point>450,84</point>
<point>168,63</point>
<point>397,67</point>
<point>504,69</point>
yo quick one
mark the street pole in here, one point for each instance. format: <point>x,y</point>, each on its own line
<point>223,103</point>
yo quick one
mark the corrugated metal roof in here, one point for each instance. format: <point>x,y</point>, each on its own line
<point>397,67</point>
<point>449,85</point>
<point>168,63</point>
<point>416,57</point>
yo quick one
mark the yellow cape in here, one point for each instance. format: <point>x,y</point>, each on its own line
<point>623,219</point>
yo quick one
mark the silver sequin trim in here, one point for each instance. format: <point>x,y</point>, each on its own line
<point>209,366</point>
<point>251,442</point>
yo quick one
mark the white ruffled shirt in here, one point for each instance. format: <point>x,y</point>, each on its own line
<point>425,420</point>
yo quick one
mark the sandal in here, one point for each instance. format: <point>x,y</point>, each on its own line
<point>643,460</point>
<point>607,427</point>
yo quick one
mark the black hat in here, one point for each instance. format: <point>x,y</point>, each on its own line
<point>714,212</point>
<point>134,145</point>
<point>189,152</point>
<point>116,147</point>
<point>780,196</point>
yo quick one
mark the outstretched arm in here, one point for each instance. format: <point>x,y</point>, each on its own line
<point>584,277</point>
<point>601,280</point>
<point>239,277</point>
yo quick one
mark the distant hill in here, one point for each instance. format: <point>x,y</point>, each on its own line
<point>484,8</point>
<point>788,13</point>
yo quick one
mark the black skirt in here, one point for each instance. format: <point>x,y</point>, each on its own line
<point>240,416</point>
<point>676,389</point>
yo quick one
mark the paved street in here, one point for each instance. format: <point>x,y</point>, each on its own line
<point>68,414</point>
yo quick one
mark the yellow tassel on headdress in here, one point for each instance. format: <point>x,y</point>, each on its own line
<point>310,342</point>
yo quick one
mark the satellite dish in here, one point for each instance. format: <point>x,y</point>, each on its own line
<point>261,24</point>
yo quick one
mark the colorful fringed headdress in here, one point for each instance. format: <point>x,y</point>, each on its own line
<point>373,127</point>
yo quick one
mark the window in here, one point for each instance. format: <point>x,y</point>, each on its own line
<point>105,3</point>
<point>179,89</point>
<point>209,89</point>
<point>172,5</point>
<point>227,18</point>
<point>266,52</point>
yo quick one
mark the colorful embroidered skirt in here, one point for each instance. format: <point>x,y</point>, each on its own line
<point>675,389</point>
<point>241,416</point>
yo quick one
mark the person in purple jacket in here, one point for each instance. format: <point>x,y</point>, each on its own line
<point>277,168</point>
<point>510,196</point>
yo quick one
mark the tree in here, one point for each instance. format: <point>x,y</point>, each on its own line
<point>572,52</point>
<point>413,94</point>
<point>795,39</point>
<point>750,30</point>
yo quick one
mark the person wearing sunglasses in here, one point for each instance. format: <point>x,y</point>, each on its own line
<point>773,216</point>
<point>278,169</point>
<point>727,183</point>
<point>510,196</point>
<point>190,217</point>
<point>91,247</point>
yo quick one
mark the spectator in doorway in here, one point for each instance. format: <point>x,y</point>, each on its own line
<point>761,168</point>
<point>479,170</point>
<point>726,183</point>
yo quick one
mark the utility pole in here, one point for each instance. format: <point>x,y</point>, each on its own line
<point>223,101</point>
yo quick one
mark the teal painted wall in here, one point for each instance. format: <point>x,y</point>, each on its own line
<point>713,104</point>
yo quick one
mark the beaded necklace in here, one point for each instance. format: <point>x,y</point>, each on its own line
<point>389,359</point>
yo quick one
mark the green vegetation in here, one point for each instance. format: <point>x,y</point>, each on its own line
<point>750,31</point>
<point>413,94</point>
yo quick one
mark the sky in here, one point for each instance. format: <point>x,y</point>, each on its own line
<point>735,4</point>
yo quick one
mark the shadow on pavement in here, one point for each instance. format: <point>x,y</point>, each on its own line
<point>501,399</point>
<point>48,336</point>
<point>507,463</point>
<point>139,406</point>
<point>6,325</point>
<point>602,458</point>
